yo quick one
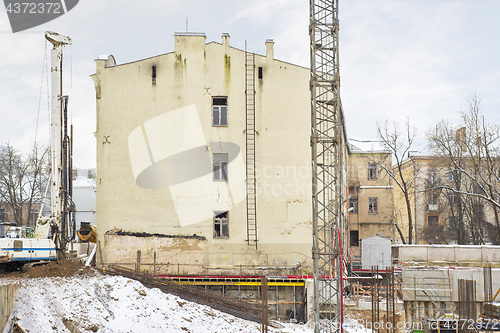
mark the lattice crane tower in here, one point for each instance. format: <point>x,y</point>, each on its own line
<point>329,166</point>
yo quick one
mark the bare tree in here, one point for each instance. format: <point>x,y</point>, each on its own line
<point>472,155</point>
<point>22,180</point>
<point>399,143</point>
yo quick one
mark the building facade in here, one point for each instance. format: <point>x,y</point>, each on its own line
<point>173,160</point>
<point>441,216</point>
<point>371,203</point>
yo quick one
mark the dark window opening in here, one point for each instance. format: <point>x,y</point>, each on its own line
<point>354,237</point>
<point>372,171</point>
<point>260,73</point>
<point>432,220</point>
<point>153,74</point>
<point>219,101</point>
<point>478,211</point>
<point>221,225</point>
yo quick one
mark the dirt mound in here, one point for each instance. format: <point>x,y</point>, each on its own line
<point>62,268</point>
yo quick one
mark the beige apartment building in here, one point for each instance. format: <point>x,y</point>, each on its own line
<point>176,158</point>
<point>436,212</point>
<point>371,194</point>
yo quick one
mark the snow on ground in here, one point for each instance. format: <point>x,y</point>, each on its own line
<point>114,304</point>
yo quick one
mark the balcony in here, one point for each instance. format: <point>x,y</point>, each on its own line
<point>432,207</point>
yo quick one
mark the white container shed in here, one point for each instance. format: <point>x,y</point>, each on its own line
<point>375,251</point>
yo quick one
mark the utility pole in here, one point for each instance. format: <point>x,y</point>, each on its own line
<point>328,166</point>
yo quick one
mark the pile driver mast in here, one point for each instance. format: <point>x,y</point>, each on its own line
<point>328,166</point>
<point>61,222</point>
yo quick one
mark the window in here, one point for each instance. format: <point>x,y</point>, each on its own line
<point>478,211</point>
<point>432,201</point>
<point>219,111</point>
<point>33,216</point>
<point>2,215</point>
<point>354,237</point>
<point>221,225</point>
<point>481,233</point>
<point>18,246</point>
<point>432,220</point>
<point>260,73</point>
<point>372,171</point>
<point>432,177</point>
<point>372,205</point>
<point>353,203</point>
<point>153,75</point>
<point>455,198</point>
<point>451,175</point>
<point>432,198</point>
<point>220,166</point>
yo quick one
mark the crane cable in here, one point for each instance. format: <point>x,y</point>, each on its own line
<point>33,140</point>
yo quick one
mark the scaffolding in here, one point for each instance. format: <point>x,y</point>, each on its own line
<point>328,166</point>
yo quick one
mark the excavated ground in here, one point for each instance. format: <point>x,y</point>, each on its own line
<point>60,268</point>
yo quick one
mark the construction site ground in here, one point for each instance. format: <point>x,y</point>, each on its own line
<point>67,296</point>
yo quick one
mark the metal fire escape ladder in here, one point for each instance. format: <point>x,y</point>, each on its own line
<point>250,148</point>
<point>328,166</point>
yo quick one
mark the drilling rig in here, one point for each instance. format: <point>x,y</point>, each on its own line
<point>54,232</point>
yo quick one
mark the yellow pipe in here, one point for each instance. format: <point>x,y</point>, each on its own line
<point>200,283</point>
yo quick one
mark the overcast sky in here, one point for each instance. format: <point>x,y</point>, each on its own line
<point>421,59</point>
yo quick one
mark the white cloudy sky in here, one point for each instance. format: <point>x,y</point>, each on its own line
<point>421,59</point>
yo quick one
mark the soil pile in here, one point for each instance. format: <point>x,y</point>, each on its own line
<point>61,268</point>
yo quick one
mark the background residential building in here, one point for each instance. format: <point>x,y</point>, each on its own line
<point>440,215</point>
<point>371,194</point>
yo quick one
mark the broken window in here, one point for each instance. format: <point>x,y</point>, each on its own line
<point>221,224</point>
<point>372,171</point>
<point>372,205</point>
<point>353,203</point>
<point>354,237</point>
<point>219,111</point>
<point>220,166</point>
<point>432,220</point>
